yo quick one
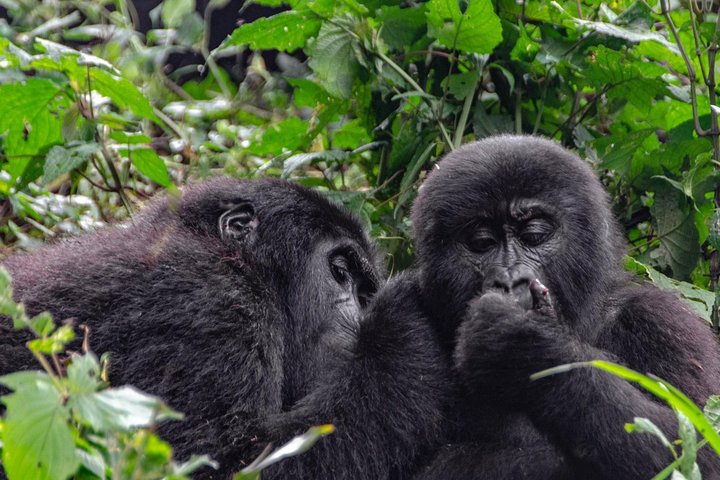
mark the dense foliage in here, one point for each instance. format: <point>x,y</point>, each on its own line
<point>371,95</point>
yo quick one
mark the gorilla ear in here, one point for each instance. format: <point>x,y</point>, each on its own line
<point>237,221</point>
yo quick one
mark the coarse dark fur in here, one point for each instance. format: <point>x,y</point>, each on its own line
<point>496,215</point>
<point>243,304</point>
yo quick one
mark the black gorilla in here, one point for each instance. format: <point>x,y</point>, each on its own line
<point>491,219</point>
<point>242,304</point>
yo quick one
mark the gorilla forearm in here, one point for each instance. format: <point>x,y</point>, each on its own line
<point>387,394</point>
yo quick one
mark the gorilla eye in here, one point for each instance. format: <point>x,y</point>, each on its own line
<point>535,232</point>
<point>481,241</point>
<point>340,268</point>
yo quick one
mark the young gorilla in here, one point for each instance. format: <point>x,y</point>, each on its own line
<point>243,305</point>
<point>495,216</point>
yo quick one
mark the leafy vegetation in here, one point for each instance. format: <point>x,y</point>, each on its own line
<point>91,125</point>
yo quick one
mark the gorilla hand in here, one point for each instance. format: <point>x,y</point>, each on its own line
<point>501,343</point>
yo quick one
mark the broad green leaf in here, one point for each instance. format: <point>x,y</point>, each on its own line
<point>402,26</point>
<point>29,120</point>
<point>37,443</point>
<point>61,160</point>
<point>462,84</point>
<point>675,227</point>
<point>83,374</point>
<point>123,93</point>
<point>121,409</point>
<point>350,135</point>
<point>286,31</point>
<point>129,138</point>
<point>476,30</point>
<point>42,324</point>
<point>149,164</point>
<point>616,151</point>
<point>173,12</point>
<point>307,93</point>
<point>658,387</point>
<point>332,58</point>
<point>58,51</point>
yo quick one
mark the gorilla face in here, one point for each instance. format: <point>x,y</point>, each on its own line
<point>499,213</point>
<point>508,247</point>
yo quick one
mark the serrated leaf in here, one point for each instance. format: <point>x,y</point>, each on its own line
<point>676,230</point>
<point>286,31</point>
<point>149,164</point>
<point>332,58</point>
<point>61,160</point>
<point>402,26</point>
<point>37,443</point>
<point>121,409</point>
<point>476,30</point>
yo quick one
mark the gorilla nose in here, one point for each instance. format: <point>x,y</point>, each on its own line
<point>513,281</point>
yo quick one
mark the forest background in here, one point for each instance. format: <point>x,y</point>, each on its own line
<point>358,99</point>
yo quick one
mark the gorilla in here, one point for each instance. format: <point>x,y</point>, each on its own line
<point>493,223</point>
<point>246,305</point>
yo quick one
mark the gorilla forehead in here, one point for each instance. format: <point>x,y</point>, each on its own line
<point>488,177</point>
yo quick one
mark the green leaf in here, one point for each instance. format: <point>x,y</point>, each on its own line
<point>61,160</point>
<point>123,409</point>
<point>123,93</point>
<point>675,227</point>
<point>29,120</point>
<point>712,410</point>
<point>658,387</point>
<point>402,26</point>
<point>173,12</point>
<point>476,30</point>
<point>644,425</point>
<point>699,299</point>
<point>631,34</point>
<point>296,446</point>
<point>42,324</point>
<point>83,374</point>
<point>462,84</point>
<point>303,159</point>
<point>149,164</point>
<point>687,435</point>
<point>129,138</point>
<point>37,443</point>
<point>286,31</point>
<point>333,59</point>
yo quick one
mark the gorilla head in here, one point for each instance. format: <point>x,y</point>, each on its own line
<point>500,212</point>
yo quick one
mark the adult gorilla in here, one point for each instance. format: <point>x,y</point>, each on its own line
<point>240,304</point>
<point>495,216</point>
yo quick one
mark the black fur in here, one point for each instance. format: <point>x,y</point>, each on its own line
<point>241,304</point>
<point>494,216</point>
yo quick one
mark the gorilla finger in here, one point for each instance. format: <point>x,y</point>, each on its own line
<point>541,296</point>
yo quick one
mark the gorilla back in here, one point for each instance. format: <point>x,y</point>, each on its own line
<point>230,302</point>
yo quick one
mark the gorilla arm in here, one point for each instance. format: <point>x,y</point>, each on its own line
<point>583,411</point>
<point>385,397</point>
